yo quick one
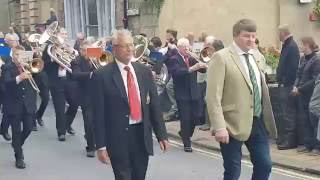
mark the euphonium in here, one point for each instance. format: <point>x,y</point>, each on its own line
<point>59,52</point>
<point>141,55</point>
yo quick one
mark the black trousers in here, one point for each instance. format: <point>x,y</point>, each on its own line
<point>132,165</point>
<point>189,114</point>
<point>5,123</point>
<point>88,127</point>
<point>60,95</point>
<point>44,95</point>
<point>203,116</point>
<point>19,135</point>
<point>289,126</point>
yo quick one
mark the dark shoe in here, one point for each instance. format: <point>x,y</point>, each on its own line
<point>91,154</point>
<point>303,149</point>
<point>71,131</point>
<point>62,137</point>
<point>6,136</point>
<point>40,122</point>
<point>20,164</point>
<point>314,152</point>
<point>35,128</point>
<point>187,149</point>
<point>286,146</point>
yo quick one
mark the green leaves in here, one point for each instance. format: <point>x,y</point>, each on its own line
<point>157,4</point>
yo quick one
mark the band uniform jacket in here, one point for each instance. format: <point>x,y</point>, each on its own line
<point>81,70</point>
<point>20,95</point>
<point>111,109</point>
<point>185,82</point>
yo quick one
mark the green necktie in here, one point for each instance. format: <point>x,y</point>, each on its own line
<point>256,93</point>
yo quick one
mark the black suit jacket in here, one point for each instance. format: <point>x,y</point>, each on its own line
<point>52,70</point>
<point>307,73</point>
<point>288,63</point>
<point>81,70</point>
<point>111,109</point>
<point>185,82</point>
<point>20,95</point>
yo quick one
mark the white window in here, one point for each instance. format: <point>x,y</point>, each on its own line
<point>94,17</point>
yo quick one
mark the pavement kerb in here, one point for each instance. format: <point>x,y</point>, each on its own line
<point>247,157</point>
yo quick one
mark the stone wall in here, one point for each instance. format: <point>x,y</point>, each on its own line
<point>146,21</point>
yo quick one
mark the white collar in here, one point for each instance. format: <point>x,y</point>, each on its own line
<point>122,65</point>
<point>240,51</point>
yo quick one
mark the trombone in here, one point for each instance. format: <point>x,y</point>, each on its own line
<point>98,57</point>
<point>205,54</point>
<point>34,66</point>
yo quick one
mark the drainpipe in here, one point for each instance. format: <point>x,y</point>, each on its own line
<point>125,14</point>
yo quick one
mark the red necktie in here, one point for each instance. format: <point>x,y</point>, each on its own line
<point>186,60</point>
<point>135,107</point>
<point>20,70</point>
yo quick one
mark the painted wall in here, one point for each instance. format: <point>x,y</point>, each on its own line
<point>217,18</point>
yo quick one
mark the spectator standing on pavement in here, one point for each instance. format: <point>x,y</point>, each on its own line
<point>303,87</point>
<point>289,134</point>
<point>239,105</point>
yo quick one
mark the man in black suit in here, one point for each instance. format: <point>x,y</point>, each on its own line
<point>22,104</point>
<point>41,80</point>
<point>286,75</point>
<point>62,90</point>
<point>126,108</point>
<point>183,69</point>
<point>11,42</point>
<point>82,70</point>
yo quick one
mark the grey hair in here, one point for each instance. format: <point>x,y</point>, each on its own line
<point>183,42</point>
<point>209,40</point>
<point>120,33</point>
<point>284,29</point>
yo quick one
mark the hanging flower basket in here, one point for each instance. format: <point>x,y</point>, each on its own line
<point>313,16</point>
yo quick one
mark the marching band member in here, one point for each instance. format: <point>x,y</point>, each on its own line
<point>21,105</point>
<point>183,69</point>
<point>126,110</point>
<point>82,71</point>
<point>62,91</point>
<point>168,51</point>
<point>11,42</point>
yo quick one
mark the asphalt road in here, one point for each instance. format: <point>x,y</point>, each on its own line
<point>49,159</point>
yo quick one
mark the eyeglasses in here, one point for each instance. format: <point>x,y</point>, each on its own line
<point>127,46</point>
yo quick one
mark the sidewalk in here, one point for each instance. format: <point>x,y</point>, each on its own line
<point>286,158</point>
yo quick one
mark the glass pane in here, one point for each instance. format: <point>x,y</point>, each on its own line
<point>93,31</point>
<point>92,12</point>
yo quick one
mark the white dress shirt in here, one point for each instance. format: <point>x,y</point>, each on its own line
<point>253,63</point>
<point>62,72</point>
<point>124,78</point>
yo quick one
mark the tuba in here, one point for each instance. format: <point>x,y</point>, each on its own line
<point>141,55</point>
<point>59,51</point>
